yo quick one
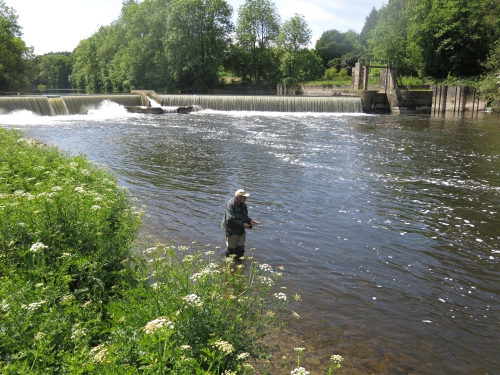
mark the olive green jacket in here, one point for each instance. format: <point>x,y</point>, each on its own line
<point>234,218</point>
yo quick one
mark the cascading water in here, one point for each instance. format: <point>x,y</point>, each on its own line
<point>79,105</point>
<point>35,104</point>
<point>58,105</point>
<point>63,105</point>
<point>266,103</point>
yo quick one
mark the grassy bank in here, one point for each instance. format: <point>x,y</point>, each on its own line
<point>80,295</point>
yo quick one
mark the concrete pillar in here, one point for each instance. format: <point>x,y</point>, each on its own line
<point>357,74</point>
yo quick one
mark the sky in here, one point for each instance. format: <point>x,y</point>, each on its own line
<point>59,25</point>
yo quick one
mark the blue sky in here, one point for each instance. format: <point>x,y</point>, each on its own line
<point>58,25</point>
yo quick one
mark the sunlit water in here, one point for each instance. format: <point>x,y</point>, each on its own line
<point>387,226</point>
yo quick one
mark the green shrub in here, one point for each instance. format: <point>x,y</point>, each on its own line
<point>330,74</point>
<point>68,204</point>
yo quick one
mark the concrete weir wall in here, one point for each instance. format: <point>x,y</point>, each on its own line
<point>410,102</point>
<point>456,99</point>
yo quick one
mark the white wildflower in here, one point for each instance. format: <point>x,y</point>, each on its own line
<point>300,350</point>
<point>196,276</point>
<point>79,189</point>
<point>300,371</point>
<point>242,355</point>
<point>158,323</point>
<point>85,172</point>
<point>36,247</point>
<point>224,346</point>
<point>99,353</point>
<point>96,207</point>
<point>266,267</point>
<point>265,280</point>
<point>193,300</point>
<point>336,358</point>
<point>185,347</point>
<point>280,296</point>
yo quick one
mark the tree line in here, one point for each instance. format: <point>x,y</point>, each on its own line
<point>184,45</point>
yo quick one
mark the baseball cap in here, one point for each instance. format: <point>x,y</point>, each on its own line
<point>240,193</point>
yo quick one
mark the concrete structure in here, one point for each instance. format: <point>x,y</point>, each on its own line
<point>456,99</point>
<point>410,102</point>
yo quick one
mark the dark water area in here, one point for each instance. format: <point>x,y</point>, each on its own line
<point>387,226</point>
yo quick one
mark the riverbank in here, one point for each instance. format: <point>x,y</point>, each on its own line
<point>81,294</point>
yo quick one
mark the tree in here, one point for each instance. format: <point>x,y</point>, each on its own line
<point>54,70</point>
<point>257,28</point>
<point>13,51</point>
<point>389,39</point>
<point>332,45</point>
<point>370,24</point>
<point>490,83</point>
<point>196,42</point>
<point>451,36</point>
<point>293,39</point>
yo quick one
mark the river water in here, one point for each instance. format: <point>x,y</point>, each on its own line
<point>387,226</point>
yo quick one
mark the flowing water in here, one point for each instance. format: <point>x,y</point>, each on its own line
<point>387,226</point>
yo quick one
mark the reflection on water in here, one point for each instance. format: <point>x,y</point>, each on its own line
<point>386,225</point>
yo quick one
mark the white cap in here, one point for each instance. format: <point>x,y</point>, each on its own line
<point>241,193</point>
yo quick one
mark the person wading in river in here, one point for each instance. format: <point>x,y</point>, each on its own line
<point>235,222</point>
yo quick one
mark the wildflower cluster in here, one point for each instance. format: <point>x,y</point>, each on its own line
<point>36,247</point>
<point>224,346</point>
<point>154,325</point>
<point>193,300</point>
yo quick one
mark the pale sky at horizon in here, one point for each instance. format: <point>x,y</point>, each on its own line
<point>59,25</point>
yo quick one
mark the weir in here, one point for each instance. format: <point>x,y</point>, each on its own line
<point>63,105</point>
<point>266,103</point>
<point>35,104</point>
<point>81,104</point>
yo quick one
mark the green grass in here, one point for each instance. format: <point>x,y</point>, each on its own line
<point>80,295</point>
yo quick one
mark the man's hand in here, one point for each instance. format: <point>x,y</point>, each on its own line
<point>255,222</point>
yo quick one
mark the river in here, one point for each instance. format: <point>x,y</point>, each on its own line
<point>387,226</point>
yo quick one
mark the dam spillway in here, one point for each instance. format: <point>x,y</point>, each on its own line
<point>266,103</point>
<point>81,104</point>
<point>63,105</point>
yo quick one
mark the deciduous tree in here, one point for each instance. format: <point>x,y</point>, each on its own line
<point>257,28</point>
<point>293,39</point>
<point>13,51</point>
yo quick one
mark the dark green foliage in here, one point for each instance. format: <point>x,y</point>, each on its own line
<point>257,29</point>
<point>490,83</point>
<point>436,37</point>
<point>12,51</point>
<point>53,71</point>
